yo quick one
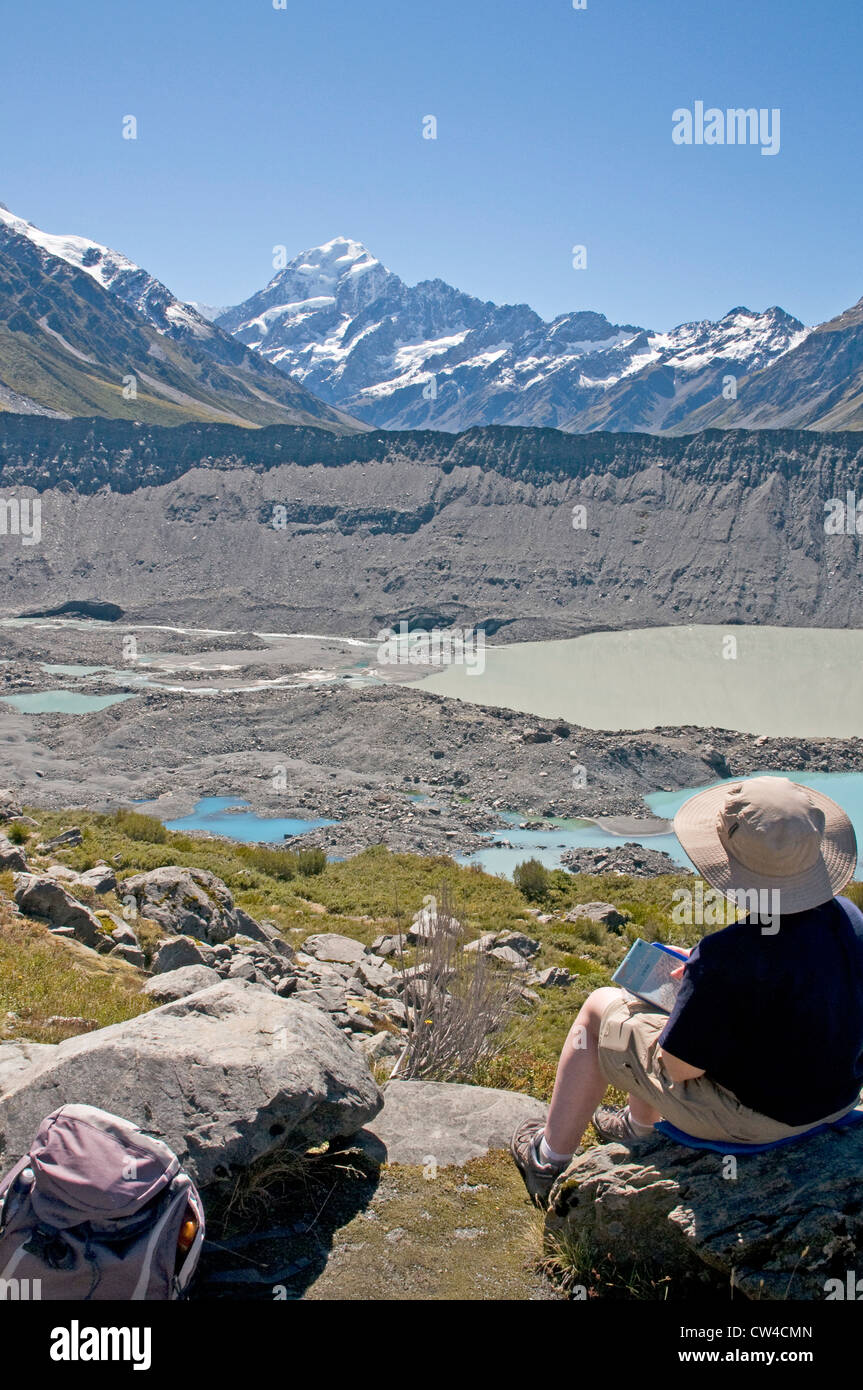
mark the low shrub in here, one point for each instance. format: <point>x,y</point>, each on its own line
<point>283,864</point>
<point>532,879</point>
<point>137,826</point>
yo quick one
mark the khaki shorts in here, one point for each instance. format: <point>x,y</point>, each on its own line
<point>629,1059</point>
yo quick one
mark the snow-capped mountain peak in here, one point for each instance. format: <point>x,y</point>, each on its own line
<point>324,267</point>
<point>328,284</point>
<point>431,356</point>
<point>753,339</point>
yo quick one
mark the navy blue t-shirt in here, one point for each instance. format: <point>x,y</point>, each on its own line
<point>778,1019</point>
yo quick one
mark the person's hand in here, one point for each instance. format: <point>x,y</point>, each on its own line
<point>677,973</point>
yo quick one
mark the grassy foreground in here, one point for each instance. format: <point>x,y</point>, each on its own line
<point>481,1209</point>
<point>372,893</point>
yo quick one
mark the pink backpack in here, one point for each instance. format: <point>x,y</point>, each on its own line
<point>98,1210</point>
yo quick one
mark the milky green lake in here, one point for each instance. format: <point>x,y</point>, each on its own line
<point>792,682</point>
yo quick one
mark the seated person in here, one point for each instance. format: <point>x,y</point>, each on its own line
<point>766,1037</point>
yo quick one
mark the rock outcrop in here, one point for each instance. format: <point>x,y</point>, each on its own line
<point>223,1076</point>
<point>776,1225</point>
<point>39,895</point>
<point>627,858</point>
<point>11,856</point>
<point>196,903</point>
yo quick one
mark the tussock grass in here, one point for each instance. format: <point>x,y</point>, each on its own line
<point>584,1270</point>
<point>42,977</point>
<point>137,826</point>
<point>297,1177</point>
<point>380,883</point>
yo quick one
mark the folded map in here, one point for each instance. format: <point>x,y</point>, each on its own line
<point>646,972</point>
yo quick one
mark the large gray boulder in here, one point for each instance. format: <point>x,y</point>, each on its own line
<point>224,1076</point>
<point>776,1225</point>
<point>41,896</point>
<point>195,903</point>
<point>18,1057</point>
<point>605,913</point>
<point>178,951</point>
<point>492,942</point>
<point>448,1122</point>
<point>101,878</point>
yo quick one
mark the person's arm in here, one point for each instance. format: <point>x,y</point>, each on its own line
<point>678,1070</point>
<point>691,1016</point>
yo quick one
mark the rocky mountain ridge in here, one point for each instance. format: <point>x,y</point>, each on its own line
<point>84,331</point>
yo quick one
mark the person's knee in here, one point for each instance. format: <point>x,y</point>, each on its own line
<point>591,1012</point>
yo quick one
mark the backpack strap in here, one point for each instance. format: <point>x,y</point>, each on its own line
<point>8,1183</point>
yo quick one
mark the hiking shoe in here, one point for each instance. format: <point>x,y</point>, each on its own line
<point>613,1124</point>
<point>539,1178</point>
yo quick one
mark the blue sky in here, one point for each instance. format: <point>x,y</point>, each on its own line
<point>259,127</point>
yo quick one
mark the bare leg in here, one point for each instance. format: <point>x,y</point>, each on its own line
<point>641,1112</point>
<point>579,1085</point>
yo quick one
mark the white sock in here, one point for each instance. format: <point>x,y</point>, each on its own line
<point>640,1129</point>
<point>547,1155</point>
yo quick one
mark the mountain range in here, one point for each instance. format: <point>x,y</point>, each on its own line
<point>430,356</point>
<point>338,340</point>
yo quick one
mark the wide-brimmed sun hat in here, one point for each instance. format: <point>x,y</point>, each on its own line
<point>769,833</point>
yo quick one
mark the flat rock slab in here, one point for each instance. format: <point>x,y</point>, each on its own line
<point>18,1057</point>
<point>223,1076</point>
<point>331,946</point>
<point>178,984</point>
<point>448,1122</point>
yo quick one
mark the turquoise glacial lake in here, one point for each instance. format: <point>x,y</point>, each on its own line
<point>228,816</point>
<point>548,845</point>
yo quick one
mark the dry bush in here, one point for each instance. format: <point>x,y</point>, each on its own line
<point>461,1003</point>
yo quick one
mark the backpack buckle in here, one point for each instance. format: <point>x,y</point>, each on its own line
<point>49,1246</point>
